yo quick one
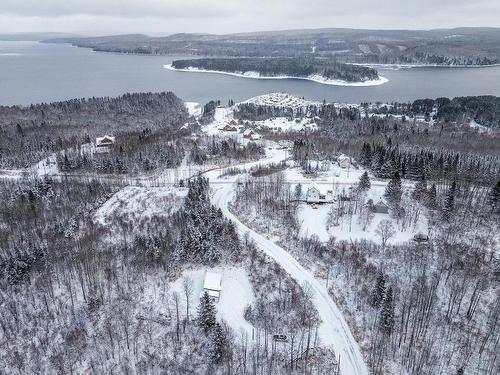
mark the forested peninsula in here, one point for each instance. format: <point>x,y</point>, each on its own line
<point>312,68</point>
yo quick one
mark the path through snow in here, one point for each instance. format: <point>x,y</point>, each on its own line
<point>333,330</point>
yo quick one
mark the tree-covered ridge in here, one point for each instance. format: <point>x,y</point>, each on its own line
<point>485,109</point>
<point>447,47</point>
<point>283,66</point>
<point>29,134</point>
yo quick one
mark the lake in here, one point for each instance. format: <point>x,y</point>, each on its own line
<point>33,72</point>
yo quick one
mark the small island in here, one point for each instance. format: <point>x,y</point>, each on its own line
<point>327,71</point>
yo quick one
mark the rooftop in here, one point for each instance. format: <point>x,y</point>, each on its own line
<point>212,281</point>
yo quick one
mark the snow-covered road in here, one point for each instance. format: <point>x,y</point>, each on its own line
<point>333,330</point>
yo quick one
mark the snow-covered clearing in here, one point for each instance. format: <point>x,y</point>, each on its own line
<point>281,99</point>
<point>194,109</point>
<point>137,204</point>
<point>285,124</point>
<point>314,77</point>
<point>236,294</point>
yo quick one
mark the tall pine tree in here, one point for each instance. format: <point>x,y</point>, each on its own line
<point>386,322</point>
<point>206,313</point>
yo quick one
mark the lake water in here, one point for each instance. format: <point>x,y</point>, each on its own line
<point>33,72</point>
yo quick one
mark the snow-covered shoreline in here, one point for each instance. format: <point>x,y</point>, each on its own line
<point>256,75</point>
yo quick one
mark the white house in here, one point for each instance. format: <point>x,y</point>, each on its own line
<point>213,285</point>
<point>344,161</point>
<point>314,195</point>
<point>104,144</point>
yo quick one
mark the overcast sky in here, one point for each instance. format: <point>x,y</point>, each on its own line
<point>160,17</point>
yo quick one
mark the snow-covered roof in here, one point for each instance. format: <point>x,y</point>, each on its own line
<point>213,281</point>
<point>248,131</point>
<point>381,203</point>
<point>106,140</point>
<point>343,157</point>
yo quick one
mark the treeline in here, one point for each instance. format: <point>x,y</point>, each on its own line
<point>485,110</point>
<point>29,134</point>
<point>133,153</point>
<point>384,160</point>
<point>283,66</point>
<point>326,112</point>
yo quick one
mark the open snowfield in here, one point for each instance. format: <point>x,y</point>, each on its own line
<point>314,77</point>
<point>284,124</point>
<point>137,204</point>
<point>281,99</point>
<point>194,109</point>
<point>236,294</point>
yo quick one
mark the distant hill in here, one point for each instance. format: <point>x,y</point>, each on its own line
<point>459,46</point>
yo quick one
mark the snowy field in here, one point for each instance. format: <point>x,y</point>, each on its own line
<point>281,99</point>
<point>284,124</point>
<point>138,204</point>
<point>236,294</point>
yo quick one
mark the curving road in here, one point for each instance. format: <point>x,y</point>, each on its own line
<point>333,329</point>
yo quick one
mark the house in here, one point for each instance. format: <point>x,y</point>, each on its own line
<point>104,144</point>
<point>344,161</point>
<point>380,208</point>
<point>231,126</point>
<point>213,285</point>
<point>250,134</point>
<point>314,196</point>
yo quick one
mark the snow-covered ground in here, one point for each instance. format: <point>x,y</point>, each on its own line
<point>281,99</point>
<point>236,294</point>
<point>194,109</point>
<point>284,124</point>
<point>314,77</point>
<point>136,204</point>
<point>333,330</point>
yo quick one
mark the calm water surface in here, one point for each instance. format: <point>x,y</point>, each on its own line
<point>33,72</point>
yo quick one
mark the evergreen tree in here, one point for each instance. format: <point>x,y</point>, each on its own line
<point>495,198</point>
<point>386,322</point>
<point>432,197</point>
<point>394,190</point>
<point>378,291</point>
<point>364,182</point>
<point>206,313</point>
<point>449,203</point>
<point>420,189</point>
<point>218,344</point>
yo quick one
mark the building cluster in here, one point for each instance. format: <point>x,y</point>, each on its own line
<point>234,127</point>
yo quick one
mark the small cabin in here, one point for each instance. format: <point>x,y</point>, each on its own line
<point>213,286</point>
<point>104,144</point>
<point>380,207</point>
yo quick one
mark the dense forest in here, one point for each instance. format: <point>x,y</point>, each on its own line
<point>460,46</point>
<point>76,294</point>
<point>29,134</point>
<point>290,67</point>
